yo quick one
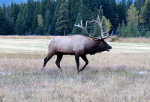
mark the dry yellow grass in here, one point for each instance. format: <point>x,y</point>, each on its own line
<point>131,40</point>
<point>25,37</point>
<point>110,77</point>
<point>116,39</point>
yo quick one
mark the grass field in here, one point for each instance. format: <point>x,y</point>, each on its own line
<point>121,75</point>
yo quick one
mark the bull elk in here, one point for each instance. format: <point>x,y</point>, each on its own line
<point>78,45</point>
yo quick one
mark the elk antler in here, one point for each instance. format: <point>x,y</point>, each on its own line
<point>82,27</point>
<point>100,24</point>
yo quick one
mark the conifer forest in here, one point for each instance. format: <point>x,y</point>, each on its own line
<point>58,17</point>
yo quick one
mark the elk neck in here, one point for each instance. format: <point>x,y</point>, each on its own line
<point>91,47</point>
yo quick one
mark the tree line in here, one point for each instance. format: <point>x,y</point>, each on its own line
<point>57,17</point>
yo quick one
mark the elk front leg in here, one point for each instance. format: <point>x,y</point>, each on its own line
<point>77,62</point>
<point>86,62</point>
<point>58,60</point>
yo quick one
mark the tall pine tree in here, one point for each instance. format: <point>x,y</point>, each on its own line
<point>20,27</point>
<point>146,14</point>
<point>62,22</point>
<point>6,28</point>
<point>84,14</point>
<point>29,17</point>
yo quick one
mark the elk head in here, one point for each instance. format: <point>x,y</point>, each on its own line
<point>102,46</point>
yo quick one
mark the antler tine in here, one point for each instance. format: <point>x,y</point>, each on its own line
<point>82,27</point>
<point>100,24</point>
<point>86,24</point>
<point>81,23</point>
<point>108,35</point>
<point>102,19</point>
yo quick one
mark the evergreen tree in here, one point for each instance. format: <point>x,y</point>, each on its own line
<point>122,30</point>
<point>122,12</point>
<point>132,15</point>
<point>129,3</point>
<point>6,27</point>
<point>29,17</point>
<point>146,14</point>
<point>84,14</point>
<point>7,11</point>
<point>23,18</point>
<point>107,24</point>
<point>108,9</point>
<point>14,12</point>
<point>62,22</point>
<point>139,4</point>
<point>73,11</point>
<point>96,31</point>
<point>115,17</point>
<point>38,11</point>
<point>40,28</point>
<point>77,30</point>
<point>44,6</point>
<point>48,18</point>
<point>20,27</point>
<point>131,30</point>
<point>52,27</point>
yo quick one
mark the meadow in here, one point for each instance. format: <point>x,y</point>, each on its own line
<point>121,75</point>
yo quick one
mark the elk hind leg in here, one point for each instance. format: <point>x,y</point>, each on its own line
<point>47,58</point>
<point>58,60</point>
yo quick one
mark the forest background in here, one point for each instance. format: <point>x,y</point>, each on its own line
<point>57,17</point>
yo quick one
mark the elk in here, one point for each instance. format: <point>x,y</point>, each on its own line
<point>78,45</point>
